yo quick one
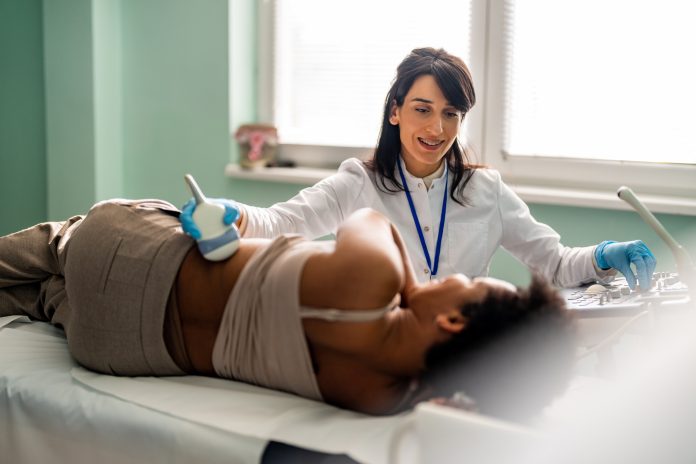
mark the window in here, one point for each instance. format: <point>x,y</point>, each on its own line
<point>326,67</point>
<point>615,82</point>
<point>593,94</point>
<point>334,61</point>
<point>579,93</point>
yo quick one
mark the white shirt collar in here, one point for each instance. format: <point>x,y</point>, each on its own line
<point>428,180</point>
<point>439,173</point>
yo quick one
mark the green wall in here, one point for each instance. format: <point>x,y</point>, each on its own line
<point>120,98</point>
<point>175,96</point>
<point>136,96</point>
<point>71,123</point>
<point>589,226</point>
<point>22,129</point>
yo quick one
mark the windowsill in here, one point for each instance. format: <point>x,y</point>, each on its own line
<point>530,194</point>
<point>603,199</point>
<point>301,175</point>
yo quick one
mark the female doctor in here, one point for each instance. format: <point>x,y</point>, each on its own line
<point>453,215</point>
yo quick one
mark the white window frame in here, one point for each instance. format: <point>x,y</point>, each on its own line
<point>311,156</point>
<point>664,188</point>
<point>667,188</point>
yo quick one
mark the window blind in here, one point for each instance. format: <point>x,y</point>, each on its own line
<point>334,62</point>
<point>601,79</point>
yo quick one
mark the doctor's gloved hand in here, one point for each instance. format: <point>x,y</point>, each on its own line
<point>620,256</point>
<point>231,215</point>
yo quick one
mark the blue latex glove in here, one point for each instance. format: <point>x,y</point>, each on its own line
<point>190,227</point>
<point>620,256</point>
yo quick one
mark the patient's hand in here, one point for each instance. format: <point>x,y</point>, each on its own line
<point>459,401</point>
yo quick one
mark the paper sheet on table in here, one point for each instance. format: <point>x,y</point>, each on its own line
<point>258,412</point>
<point>5,320</point>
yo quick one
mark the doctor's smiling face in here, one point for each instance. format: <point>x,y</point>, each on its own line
<point>428,126</point>
<point>423,112</point>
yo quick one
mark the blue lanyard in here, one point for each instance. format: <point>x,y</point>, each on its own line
<point>414,214</point>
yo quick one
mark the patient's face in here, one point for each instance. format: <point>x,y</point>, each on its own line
<point>491,283</point>
<point>442,296</point>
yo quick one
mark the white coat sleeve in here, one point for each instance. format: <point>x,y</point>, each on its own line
<point>539,246</point>
<point>315,211</point>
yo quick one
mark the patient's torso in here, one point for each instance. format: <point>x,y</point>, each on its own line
<point>203,288</point>
<point>340,351</point>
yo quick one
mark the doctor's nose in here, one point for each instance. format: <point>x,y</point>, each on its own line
<point>435,126</point>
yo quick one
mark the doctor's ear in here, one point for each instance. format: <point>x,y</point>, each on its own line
<point>393,117</point>
<point>452,322</point>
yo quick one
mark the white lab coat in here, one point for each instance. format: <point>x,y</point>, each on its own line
<point>495,216</point>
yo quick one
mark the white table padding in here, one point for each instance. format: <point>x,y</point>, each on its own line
<point>45,416</point>
<point>49,403</point>
<point>256,412</point>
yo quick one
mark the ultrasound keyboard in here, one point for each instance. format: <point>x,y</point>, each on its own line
<point>616,298</point>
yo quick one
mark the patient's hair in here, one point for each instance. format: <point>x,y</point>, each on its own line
<point>514,356</point>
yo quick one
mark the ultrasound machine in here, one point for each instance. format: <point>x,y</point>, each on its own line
<point>605,312</point>
<point>669,291</point>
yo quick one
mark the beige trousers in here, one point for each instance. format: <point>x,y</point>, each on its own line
<point>105,278</point>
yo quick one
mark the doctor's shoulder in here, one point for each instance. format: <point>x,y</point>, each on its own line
<point>483,187</point>
<point>350,183</point>
<point>486,175</point>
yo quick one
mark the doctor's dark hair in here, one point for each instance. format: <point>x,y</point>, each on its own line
<point>454,79</point>
<point>515,354</point>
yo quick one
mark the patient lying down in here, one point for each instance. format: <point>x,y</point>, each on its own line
<point>343,322</point>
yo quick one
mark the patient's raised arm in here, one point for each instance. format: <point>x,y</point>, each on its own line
<point>364,271</point>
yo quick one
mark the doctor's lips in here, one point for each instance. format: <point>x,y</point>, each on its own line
<point>430,144</point>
